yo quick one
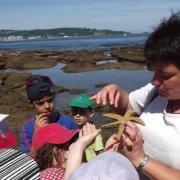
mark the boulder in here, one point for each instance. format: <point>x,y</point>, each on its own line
<point>76,91</point>
<point>99,85</point>
<point>133,54</point>
<point>16,79</point>
<point>3,62</point>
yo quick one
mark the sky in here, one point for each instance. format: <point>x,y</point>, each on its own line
<point>134,16</point>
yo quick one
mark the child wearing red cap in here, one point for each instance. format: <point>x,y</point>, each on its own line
<point>52,143</point>
<point>13,163</point>
<point>7,139</point>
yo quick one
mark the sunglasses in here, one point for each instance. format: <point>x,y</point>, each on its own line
<point>80,111</point>
<point>33,80</point>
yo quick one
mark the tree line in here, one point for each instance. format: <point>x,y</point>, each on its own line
<point>59,32</point>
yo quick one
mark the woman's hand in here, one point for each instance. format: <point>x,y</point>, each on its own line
<point>110,94</point>
<point>112,144</point>
<point>86,136</point>
<point>133,143</point>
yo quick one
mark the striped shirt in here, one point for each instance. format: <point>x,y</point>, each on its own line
<point>16,165</point>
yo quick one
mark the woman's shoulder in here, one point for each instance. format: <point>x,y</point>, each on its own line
<point>148,88</point>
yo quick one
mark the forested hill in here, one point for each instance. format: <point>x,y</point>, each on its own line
<point>58,32</point>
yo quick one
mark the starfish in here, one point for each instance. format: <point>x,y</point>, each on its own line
<point>127,117</point>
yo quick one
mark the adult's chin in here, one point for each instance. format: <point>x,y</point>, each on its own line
<point>162,94</point>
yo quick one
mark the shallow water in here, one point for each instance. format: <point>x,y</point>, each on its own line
<point>106,62</point>
<point>74,43</point>
<point>128,80</point>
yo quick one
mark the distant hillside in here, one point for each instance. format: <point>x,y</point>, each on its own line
<point>58,32</point>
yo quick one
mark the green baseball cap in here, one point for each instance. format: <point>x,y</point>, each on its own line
<point>82,101</point>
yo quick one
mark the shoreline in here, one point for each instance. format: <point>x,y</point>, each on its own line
<point>67,37</point>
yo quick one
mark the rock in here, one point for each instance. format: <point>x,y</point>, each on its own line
<point>16,80</point>
<point>107,133</point>
<point>123,65</point>
<point>59,89</point>
<point>2,77</point>
<point>76,91</point>
<point>74,60</point>
<point>28,60</point>
<point>99,85</point>
<point>2,61</point>
<point>46,59</point>
<point>133,54</point>
<point>83,56</point>
<point>103,109</point>
<point>16,105</point>
<point>67,112</point>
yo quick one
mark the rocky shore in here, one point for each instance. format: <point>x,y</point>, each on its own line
<point>126,58</point>
<point>12,84</point>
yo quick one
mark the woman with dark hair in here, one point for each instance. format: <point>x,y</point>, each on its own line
<point>154,148</point>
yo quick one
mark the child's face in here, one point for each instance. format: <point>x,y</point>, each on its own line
<point>81,115</point>
<point>61,156</point>
<point>45,105</point>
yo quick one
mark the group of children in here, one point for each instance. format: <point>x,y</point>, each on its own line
<point>46,137</point>
<point>61,148</point>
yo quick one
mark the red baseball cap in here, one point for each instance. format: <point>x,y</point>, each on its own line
<point>52,133</point>
<point>7,139</point>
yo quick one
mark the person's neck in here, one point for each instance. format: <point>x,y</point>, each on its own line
<point>80,126</point>
<point>174,106</point>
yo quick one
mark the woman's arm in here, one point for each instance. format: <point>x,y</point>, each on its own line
<point>158,171</point>
<point>133,149</point>
<point>121,101</point>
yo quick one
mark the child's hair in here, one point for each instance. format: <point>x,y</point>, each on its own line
<point>163,44</point>
<point>50,142</point>
<point>46,154</point>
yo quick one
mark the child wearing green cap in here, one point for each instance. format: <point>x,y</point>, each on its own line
<point>83,110</point>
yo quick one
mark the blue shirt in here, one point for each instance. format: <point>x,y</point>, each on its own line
<point>27,131</point>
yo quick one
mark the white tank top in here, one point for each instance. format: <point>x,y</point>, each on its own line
<point>161,133</point>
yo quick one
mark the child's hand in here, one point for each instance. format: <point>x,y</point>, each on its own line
<point>40,121</point>
<point>112,144</point>
<point>86,135</point>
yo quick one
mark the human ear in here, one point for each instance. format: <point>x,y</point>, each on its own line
<point>55,150</point>
<point>30,103</point>
<point>92,113</point>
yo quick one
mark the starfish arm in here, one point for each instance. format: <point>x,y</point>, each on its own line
<point>120,131</point>
<point>137,120</point>
<point>117,117</point>
<point>128,114</point>
<point>110,125</point>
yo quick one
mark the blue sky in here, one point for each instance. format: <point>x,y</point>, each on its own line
<point>128,15</point>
